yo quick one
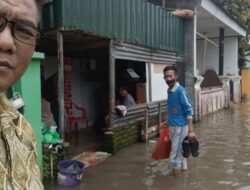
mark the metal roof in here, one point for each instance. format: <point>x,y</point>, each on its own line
<point>133,21</point>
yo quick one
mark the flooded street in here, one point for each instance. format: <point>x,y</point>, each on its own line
<point>223,164</point>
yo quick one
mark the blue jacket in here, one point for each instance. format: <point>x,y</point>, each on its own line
<point>179,107</point>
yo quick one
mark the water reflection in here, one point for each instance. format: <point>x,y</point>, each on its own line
<point>224,162</point>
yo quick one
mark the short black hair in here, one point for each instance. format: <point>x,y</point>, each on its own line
<point>170,68</point>
<point>124,88</point>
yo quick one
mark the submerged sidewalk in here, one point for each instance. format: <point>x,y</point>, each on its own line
<point>224,162</point>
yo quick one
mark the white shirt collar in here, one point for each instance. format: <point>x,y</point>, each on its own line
<point>176,85</point>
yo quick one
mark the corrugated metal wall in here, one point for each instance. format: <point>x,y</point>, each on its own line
<point>135,53</point>
<point>134,21</point>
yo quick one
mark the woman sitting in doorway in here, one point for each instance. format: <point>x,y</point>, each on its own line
<point>125,99</point>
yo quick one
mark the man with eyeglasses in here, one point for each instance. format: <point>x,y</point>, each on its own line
<point>18,35</point>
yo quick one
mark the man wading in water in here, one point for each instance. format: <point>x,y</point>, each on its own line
<point>180,119</point>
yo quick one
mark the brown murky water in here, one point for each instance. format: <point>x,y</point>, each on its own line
<point>223,164</point>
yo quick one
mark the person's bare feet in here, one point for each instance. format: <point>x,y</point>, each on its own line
<point>184,171</point>
<point>176,172</point>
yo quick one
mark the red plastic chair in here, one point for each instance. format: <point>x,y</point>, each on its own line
<point>75,120</point>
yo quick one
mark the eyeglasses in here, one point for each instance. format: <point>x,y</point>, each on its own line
<point>21,31</point>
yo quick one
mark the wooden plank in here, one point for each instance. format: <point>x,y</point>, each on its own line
<point>152,129</point>
<point>111,83</point>
<point>149,81</point>
<point>159,115</point>
<point>60,81</point>
<point>146,125</point>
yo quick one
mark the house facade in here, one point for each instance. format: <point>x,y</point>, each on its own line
<point>105,39</point>
<point>214,35</point>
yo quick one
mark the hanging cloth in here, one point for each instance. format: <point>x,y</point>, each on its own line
<point>16,100</point>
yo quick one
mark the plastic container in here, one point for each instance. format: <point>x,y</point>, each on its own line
<point>70,172</point>
<point>53,128</point>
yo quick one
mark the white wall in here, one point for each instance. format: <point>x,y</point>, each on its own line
<point>248,58</point>
<point>84,93</point>
<point>212,56</point>
<point>158,85</point>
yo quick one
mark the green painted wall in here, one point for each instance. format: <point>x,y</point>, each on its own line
<point>134,21</point>
<point>29,86</point>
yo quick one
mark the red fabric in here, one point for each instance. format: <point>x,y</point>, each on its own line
<point>67,61</point>
<point>163,146</point>
<point>67,90</point>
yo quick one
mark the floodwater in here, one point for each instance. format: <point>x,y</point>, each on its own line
<point>223,164</point>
